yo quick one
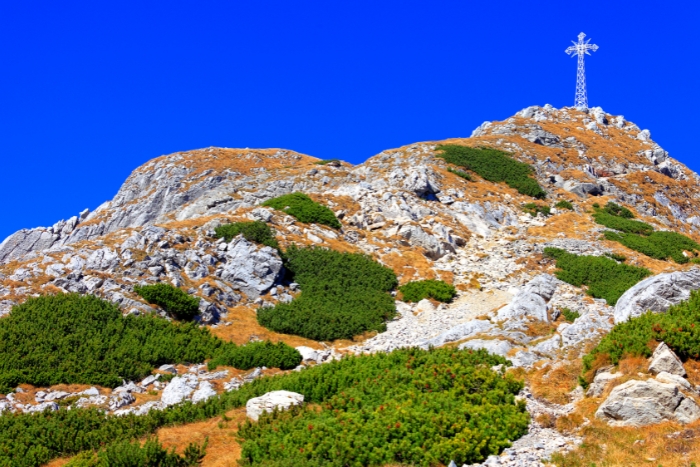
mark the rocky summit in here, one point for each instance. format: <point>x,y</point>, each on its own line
<point>547,282</point>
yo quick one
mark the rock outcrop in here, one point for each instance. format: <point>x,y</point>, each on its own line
<point>281,400</point>
<point>657,294</point>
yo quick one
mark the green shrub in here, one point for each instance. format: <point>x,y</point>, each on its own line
<point>328,161</point>
<point>622,224</point>
<point>173,300</point>
<point>418,290</point>
<point>460,173</point>
<point>74,339</point>
<point>451,403</point>
<point>342,295</point>
<point>641,237</point>
<point>304,209</point>
<point>679,328</point>
<point>563,204</point>
<point>604,277</point>
<point>151,454</point>
<point>410,407</point>
<point>617,257</point>
<point>533,209</point>
<point>618,211</point>
<point>658,245</point>
<point>570,315</point>
<point>256,231</point>
<point>495,166</point>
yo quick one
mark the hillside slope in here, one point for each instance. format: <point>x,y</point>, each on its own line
<point>403,208</point>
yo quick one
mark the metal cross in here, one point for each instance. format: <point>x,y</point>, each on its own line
<point>580,49</point>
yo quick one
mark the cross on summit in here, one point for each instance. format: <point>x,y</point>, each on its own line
<point>580,49</point>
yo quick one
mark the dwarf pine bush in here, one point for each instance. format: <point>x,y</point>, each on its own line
<point>173,300</point>
<point>417,407</point>
<point>256,231</point>
<point>641,237</point>
<point>495,166</point>
<point>564,204</point>
<point>150,454</point>
<point>533,209</point>
<point>436,289</point>
<point>461,174</point>
<point>604,277</point>
<point>342,295</point>
<point>74,339</point>
<point>304,209</point>
<point>679,328</point>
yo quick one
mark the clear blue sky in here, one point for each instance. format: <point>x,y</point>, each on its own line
<point>91,90</point>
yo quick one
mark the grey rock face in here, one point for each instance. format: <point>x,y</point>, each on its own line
<point>583,189</point>
<point>531,300</point>
<point>421,181</point>
<point>641,403</point>
<point>664,360</point>
<point>599,383</point>
<point>179,389</point>
<point>249,268</point>
<point>203,392</point>
<point>281,400</point>
<point>494,346</point>
<point>657,294</point>
<point>459,332</point>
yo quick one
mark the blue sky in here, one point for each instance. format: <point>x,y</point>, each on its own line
<point>91,90</point>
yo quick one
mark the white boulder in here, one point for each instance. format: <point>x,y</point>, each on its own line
<point>179,389</point>
<point>282,400</point>
<point>664,360</point>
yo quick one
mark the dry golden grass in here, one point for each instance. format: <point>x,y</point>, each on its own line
<point>537,328</point>
<point>554,385</point>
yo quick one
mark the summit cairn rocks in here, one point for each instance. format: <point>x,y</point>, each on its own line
<point>282,400</point>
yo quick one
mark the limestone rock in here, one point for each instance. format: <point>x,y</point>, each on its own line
<point>531,300</point>
<point>307,354</point>
<point>679,381</point>
<point>179,389</point>
<point>250,268</point>
<point>641,403</point>
<point>664,360</point>
<point>203,392</point>
<point>282,400</point>
<point>494,346</point>
<point>657,294</point>
<point>601,380</point>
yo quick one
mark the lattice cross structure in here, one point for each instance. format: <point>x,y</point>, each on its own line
<point>581,49</point>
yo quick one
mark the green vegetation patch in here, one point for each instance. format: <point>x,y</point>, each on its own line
<point>564,204</point>
<point>256,231</point>
<point>679,328</point>
<point>604,277</point>
<point>617,257</point>
<point>335,162</point>
<point>150,454</point>
<point>343,295</point>
<point>495,166</point>
<point>461,174</point>
<point>304,209</point>
<point>74,339</point>
<point>436,289</point>
<point>533,209</point>
<point>570,315</point>
<point>641,237</point>
<point>412,406</point>
<point>173,300</point>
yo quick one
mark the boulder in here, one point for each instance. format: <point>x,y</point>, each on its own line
<point>420,181</point>
<point>179,389</point>
<point>601,380</point>
<point>583,189</point>
<point>679,381</point>
<point>250,268</point>
<point>203,392</point>
<point>641,403</point>
<point>458,333</point>
<point>664,360</point>
<point>531,301</point>
<point>282,400</point>
<point>307,354</point>
<point>657,294</point>
<point>494,346</point>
